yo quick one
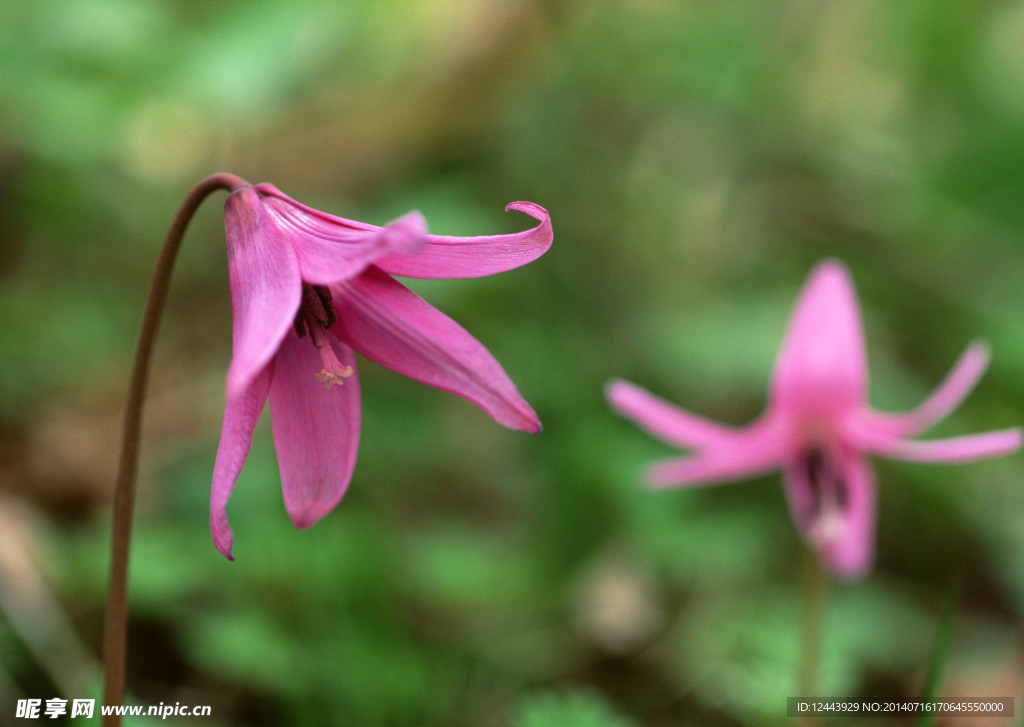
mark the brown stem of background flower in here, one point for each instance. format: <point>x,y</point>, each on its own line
<point>115,633</point>
<point>812,613</point>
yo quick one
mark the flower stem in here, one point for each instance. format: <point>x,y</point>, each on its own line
<point>812,610</point>
<point>116,624</point>
<point>940,655</point>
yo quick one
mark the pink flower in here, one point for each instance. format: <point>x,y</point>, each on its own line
<point>818,426</point>
<point>307,289</point>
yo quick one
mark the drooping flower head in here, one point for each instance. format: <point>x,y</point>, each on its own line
<point>818,426</point>
<point>308,289</point>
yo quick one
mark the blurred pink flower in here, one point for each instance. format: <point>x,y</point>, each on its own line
<point>818,426</point>
<point>297,273</point>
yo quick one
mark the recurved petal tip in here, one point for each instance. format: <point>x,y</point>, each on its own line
<point>980,350</point>
<point>533,243</point>
<point>615,390</point>
<point>445,256</point>
<point>946,397</point>
<point>240,416</point>
<point>529,208</point>
<point>223,538</point>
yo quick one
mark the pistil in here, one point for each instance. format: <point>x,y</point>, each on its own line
<point>315,316</point>
<point>828,488</point>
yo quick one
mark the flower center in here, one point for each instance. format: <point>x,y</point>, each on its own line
<point>315,316</point>
<point>825,477</point>
<point>827,486</point>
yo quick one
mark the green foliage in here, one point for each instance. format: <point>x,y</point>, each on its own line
<point>940,653</point>
<point>575,709</point>
<point>697,159</point>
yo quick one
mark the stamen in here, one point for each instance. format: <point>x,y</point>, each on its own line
<point>316,302</point>
<point>330,378</point>
<point>827,486</point>
<point>825,478</point>
<point>333,370</point>
<point>316,315</point>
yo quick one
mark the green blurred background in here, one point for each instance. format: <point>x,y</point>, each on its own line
<point>697,159</point>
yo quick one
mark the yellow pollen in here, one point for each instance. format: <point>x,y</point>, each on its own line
<point>333,376</point>
<point>333,371</point>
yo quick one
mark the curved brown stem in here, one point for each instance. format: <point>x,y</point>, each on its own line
<point>115,637</point>
<point>812,615</point>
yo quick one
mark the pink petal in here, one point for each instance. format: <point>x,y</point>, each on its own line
<point>316,429</point>
<point>331,249</point>
<point>388,323</point>
<point>662,419</point>
<point>947,397</point>
<point>753,451</point>
<point>836,514</point>
<point>265,286</point>
<point>278,200</point>
<point>240,416</point>
<point>474,257</point>
<point>821,370</point>
<point>953,449</point>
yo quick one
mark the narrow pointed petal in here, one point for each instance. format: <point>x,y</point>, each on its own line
<point>331,249</point>
<point>474,257</point>
<point>240,416</point>
<point>822,367</point>
<point>664,420</point>
<point>753,451</point>
<point>833,506</point>
<point>265,286</point>
<point>388,323</point>
<point>316,429</point>
<point>947,397</point>
<point>953,449</point>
